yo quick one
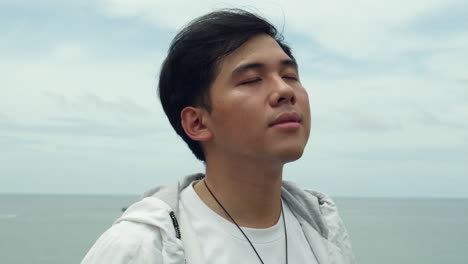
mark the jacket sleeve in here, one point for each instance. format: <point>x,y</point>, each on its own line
<point>126,242</point>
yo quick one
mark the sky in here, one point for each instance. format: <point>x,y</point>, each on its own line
<point>387,82</point>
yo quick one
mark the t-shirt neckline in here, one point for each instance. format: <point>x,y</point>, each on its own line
<point>256,235</point>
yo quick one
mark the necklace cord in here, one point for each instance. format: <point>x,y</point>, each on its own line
<point>284,224</point>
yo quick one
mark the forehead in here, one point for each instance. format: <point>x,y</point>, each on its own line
<point>259,49</point>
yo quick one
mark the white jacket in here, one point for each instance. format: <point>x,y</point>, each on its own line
<point>152,231</point>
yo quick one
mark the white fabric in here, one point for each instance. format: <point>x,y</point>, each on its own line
<point>146,232</point>
<point>222,242</point>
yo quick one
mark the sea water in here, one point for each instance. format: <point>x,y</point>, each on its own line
<point>54,229</point>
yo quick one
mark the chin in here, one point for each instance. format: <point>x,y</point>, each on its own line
<point>290,155</point>
<point>290,150</point>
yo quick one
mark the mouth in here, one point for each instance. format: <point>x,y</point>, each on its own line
<point>288,120</point>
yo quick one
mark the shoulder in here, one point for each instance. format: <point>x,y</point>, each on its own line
<point>317,205</point>
<point>321,212</point>
<point>137,236</point>
<point>126,242</point>
<point>337,232</point>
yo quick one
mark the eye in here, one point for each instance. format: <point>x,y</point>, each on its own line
<point>291,77</point>
<point>250,81</point>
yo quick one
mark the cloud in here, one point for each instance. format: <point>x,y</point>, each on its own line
<point>77,127</point>
<point>167,14</point>
<point>455,116</point>
<point>372,122</point>
<point>451,64</point>
<point>92,104</point>
<point>363,29</point>
<point>70,79</point>
<point>387,85</point>
<point>69,51</point>
<point>49,4</point>
<point>406,153</point>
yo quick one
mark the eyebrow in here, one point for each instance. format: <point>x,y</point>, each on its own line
<point>257,65</point>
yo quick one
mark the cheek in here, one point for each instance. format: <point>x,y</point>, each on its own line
<point>303,102</point>
<point>240,117</point>
<point>237,106</point>
<point>303,98</point>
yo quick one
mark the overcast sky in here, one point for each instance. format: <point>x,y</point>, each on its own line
<point>387,80</point>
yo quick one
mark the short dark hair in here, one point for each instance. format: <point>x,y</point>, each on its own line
<point>194,56</point>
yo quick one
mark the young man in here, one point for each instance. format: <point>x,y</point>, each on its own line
<point>231,89</point>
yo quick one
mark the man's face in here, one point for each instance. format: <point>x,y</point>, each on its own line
<point>259,108</point>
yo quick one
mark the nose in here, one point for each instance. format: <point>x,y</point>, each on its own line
<point>282,93</point>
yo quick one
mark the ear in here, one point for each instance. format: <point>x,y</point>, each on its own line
<point>193,123</point>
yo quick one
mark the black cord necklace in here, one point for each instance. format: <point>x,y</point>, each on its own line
<point>255,250</point>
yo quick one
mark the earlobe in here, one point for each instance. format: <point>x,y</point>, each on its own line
<point>193,123</point>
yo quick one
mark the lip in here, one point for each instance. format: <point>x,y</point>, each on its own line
<point>287,120</point>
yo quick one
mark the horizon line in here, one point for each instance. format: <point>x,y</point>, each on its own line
<point>333,196</point>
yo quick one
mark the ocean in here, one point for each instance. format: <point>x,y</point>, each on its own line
<point>54,229</point>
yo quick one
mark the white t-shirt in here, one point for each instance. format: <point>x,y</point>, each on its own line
<point>223,243</point>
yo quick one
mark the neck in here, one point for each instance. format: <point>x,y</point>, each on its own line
<point>250,192</point>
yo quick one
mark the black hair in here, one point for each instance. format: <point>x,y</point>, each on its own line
<point>193,58</point>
